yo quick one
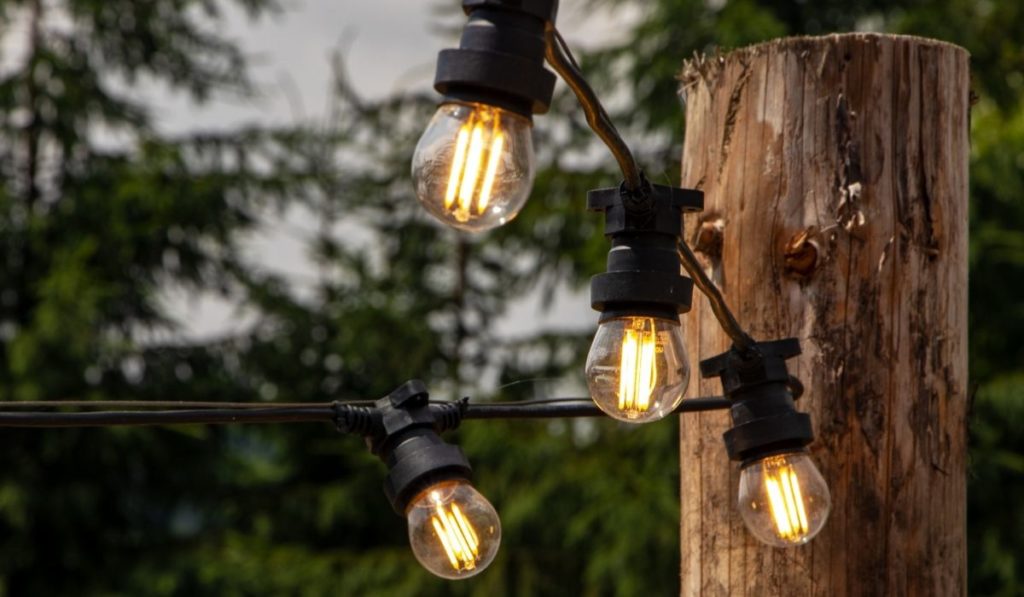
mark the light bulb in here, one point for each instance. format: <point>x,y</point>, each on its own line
<point>453,530</point>
<point>637,369</point>
<point>473,166</point>
<point>783,499</point>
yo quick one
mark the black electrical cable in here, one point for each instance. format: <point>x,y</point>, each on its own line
<point>536,401</point>
<point>561,59</point>
<point>534,409</point>
<point>159,404</point>
<point>796,387</point>
<point>166,417</point>
<point>572,409</point>
<point>740,338</point>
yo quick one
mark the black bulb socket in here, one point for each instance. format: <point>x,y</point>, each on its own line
<point>500,58</point>
<point>643,276</point>
<point>407,440</point>
<point>764,416</point>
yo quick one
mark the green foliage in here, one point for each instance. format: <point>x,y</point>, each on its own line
<point>997,481</point>
<point>989,30</point>
<point>997,244</point>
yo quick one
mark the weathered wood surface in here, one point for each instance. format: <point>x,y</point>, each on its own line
<point>835,173</point>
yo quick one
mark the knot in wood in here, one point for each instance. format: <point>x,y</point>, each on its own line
<point>800,255</point>
<point>710,236</point>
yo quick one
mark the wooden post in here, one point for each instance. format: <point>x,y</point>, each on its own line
<point>835,173</point>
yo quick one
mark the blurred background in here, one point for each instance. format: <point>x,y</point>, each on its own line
<point>210,200</point>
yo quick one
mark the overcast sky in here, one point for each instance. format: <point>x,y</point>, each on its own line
<point>389,45</point>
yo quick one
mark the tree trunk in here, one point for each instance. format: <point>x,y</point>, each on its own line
<point>835,173</point>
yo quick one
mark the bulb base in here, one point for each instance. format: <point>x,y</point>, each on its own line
<point>764,436</point>
<point>545,10</point>
<point>642,277</point>
<point>765,419</point>
<point>500,58</point>
<point>407,440</point>
<point>419,462</point>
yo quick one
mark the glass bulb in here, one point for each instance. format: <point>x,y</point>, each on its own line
<point>473,166</point>
<point>783,499</point>
<point>453,530</point>
<point>637,369</point>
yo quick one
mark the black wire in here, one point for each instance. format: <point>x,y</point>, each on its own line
<point>160,404</point>
<point>796,387</point>
<point>740,338</point>
<point>534,409</point>
<point>166,417</point>
<point>561,59</point>
<point>572,409</point>
<point>528,402</point>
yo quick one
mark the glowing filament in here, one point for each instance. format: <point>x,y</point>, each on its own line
<point>638,370</point>
<point>785,500</point>
<point>478,151</point>
<point>460,541</point>
<point>472,171</point>
<point>457,163</point>
<point>492,171</point>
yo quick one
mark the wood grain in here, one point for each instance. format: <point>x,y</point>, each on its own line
<point>836,169</point>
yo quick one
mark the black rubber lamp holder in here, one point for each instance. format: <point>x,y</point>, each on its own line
<point>643,276</point>
<point>500,58</point>
<point>406,439</point>
<point>765,419</point>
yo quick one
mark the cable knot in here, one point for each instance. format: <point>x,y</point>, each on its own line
<point>353,419</point>
<point>448,415</point>
<point>639,202</point>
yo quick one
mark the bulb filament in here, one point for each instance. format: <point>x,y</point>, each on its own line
<point>457,536</point>
<point>638,370</point>
<point>785,499</point>
<point>475,164</point>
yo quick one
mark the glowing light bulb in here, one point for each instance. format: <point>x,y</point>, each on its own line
<point>473,166</point>
<point>453,530</point>
<point>783,499</point>
<point>636,369</point>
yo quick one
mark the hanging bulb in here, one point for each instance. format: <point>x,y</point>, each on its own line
<point>637,369</point>
<point>473,166</point>
<point>453,530</point>
<point>783,499</point>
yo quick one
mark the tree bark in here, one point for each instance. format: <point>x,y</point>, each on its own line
<point>835,173</point>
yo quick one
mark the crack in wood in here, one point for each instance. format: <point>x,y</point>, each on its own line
<point>731,114</point>
<point>849,214</point>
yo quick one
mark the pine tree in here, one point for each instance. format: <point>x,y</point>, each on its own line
<point>98,213</point>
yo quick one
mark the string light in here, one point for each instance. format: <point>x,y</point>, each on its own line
<point>473,169</point>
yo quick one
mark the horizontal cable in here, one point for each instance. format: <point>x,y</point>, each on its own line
<point>166,417</point>
<point>571,409</point>
<point>249,414</point>
<point>161,404</point>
